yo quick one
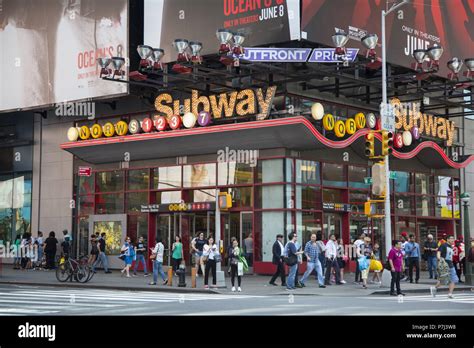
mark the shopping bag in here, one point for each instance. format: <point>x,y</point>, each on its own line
<point>363,263</point>
<point>240,268</point>
<point>375,265</point>
<point>243,260</point>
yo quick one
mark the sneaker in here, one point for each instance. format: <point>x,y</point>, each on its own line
<point>433,291</point>
<point>206,286</point>
<point>152,283</point>
<point>343,282</point>
<point>165,282</point>
<point>322,286</point>
<point>393,294</point>
<point>134,275</point>
<point>146,275</point>
<point>450,296</point>
<point>290,289</point>
<point>239,289</point>
<point>233,289</point>
<point>272,284</point>
<point>298,286</point>
<point>302,285</point>
<point>400,293</point>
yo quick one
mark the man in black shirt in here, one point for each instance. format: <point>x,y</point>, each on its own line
<point>102,257</point>
<point>430,247</point>
<point>66,247</point>
<point>141,250</point>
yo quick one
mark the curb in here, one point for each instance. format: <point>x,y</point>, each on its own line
<point>421,291</point>
<point>107,287</point>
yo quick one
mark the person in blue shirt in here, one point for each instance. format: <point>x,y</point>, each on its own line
<point>412,254</point>
<point>292,253</point>
<point>128,251</point>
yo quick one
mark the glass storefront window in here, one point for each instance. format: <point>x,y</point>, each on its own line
<point>358,225</point>
<point>424,205</point>
<point>269,197</point>
<point>167,177</point>
<point>444,207</point>
<point>138,179</point>
<point>199,175</point>
<point>137,226</point>
<point>202,196</point>
<point>422,183</point>
<point>332,196</point>
<point>233,173</point>
<point>241,196</point>
<point>307,223</point>
<point>86,205</point>
<point>403,183</point>
<point>109,181</point>
<point>270,171</point>
<point>404,204</point>
<point>166,197</point>
<point>357,200</point>
<point>307,172</point>
<point>404,224</point>
<point>135,200</point>
<point>333,175</point>
<point>83,235</point>
<point>86,185</point>
<point>109,204</point>
<point>308,197</point>
<point>356,177</point>
<point>271,224</point>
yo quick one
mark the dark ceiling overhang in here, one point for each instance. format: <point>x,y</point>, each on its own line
<point>296,133</point>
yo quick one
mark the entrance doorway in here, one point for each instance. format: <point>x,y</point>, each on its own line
<point>332,225</point>
<point>240,226</point>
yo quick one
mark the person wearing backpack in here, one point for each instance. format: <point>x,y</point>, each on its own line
<point>448,277</point>
<point>291,259</point>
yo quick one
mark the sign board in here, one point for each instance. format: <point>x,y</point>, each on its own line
<point>368,180</point>
<point>327,55</point>
<point>265,54</point>
<point>387,114</point>
<point>177,207</point>
<point>84,171</point>
<point>393,175</point>
<point>337,206</point>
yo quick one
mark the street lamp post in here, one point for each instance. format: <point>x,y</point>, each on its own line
<point>388,226</point>
<point>465,198</point>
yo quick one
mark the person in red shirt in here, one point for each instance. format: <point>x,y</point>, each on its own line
<point>458,255</point>
<point>395,259</point>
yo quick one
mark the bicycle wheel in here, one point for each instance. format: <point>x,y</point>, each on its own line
<point>82,273</point>
<point>91,274</point>
<point>63,272</point>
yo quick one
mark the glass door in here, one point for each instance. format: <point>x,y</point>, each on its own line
<point>246,229</point>
<point>332,225</point>
<point>165,223</point>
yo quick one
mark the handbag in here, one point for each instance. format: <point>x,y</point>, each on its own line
<point>240,268</point>
<point>363,263</point>
<point>122,257</point>
<point>153,257</point>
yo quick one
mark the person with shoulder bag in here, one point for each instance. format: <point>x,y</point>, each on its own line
<point>234,258</point>
<point>127,254</point>
<point>291,260</point>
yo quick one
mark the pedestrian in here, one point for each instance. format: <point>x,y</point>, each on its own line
<point>94,250</point>
<point>157,256</point>
<point>341,258</point>
<point>299,255</point>
<point>446,275</point>
<point>412,255</point>
<point>470,256</point>
<point>210,254</point>
<point>395,259</point>
<point>376,261</point>
<point>321,251</point>
<point>177,253</point>
<point>197,246</point>
<point>234,258</point>
<point>127,255</point>
<point>278,251</point>
<point>248,243</point>
<point>331,261</point>
<point>458,255</point>
<point>50,250</point>
<point>404,238</point>
<point>356,252</point>
<point>140,250</point>
<point>430,248</point>
<point>65,248</point>
<point>228,252</point>
<point>364,253</point>
<point>39,245</point>
<point>291,254</point>
<point>17,250</point>
<point>102,256</point>
<point>311,250</point>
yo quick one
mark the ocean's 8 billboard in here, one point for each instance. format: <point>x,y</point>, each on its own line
<point>262,22</point>
<point>416,25</point>
<point>49,48</point>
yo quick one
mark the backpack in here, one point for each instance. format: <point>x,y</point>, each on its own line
<point>290,260</point>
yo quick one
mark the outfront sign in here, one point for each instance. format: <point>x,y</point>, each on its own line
<point>328,55</point>
<point>297,55</point>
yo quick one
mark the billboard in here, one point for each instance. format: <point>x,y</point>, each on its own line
<point>48,50</point>
<point>418,24</point>
<point>262,21</point>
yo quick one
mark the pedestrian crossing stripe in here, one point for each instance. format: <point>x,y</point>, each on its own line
<point>459,298</point>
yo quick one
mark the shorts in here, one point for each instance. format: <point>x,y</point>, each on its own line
<point>453,277</point>
<point>365,273</point>
<point>198,254</point>
<point>341,262</point>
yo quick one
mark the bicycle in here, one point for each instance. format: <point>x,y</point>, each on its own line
<point>69,269</point>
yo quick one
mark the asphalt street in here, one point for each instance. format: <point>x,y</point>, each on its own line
<point>43,300</point>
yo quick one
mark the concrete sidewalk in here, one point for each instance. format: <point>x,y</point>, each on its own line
<point>251,284</point>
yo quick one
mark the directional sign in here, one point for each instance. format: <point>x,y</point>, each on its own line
<point>393,175</point>
<point>84,171</point>
<point>368,180</point>
<point>387,114</point>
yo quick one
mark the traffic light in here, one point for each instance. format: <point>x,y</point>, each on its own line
<point>369,144</point>
<point>387,143</point>
<point>225,200</point>
<point>378,179</point>
<point>370,208</point>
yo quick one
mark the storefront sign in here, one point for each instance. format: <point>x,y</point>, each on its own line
<point>84,171</point>
<point>150,208</point>
<point>337,206</point>
<point>328,55</point>
<point>242,103</point>
<point>265,54</point>
<point>177,207</point>
<point>408,116</point>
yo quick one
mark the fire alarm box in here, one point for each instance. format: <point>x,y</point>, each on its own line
<point>225,201</point>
